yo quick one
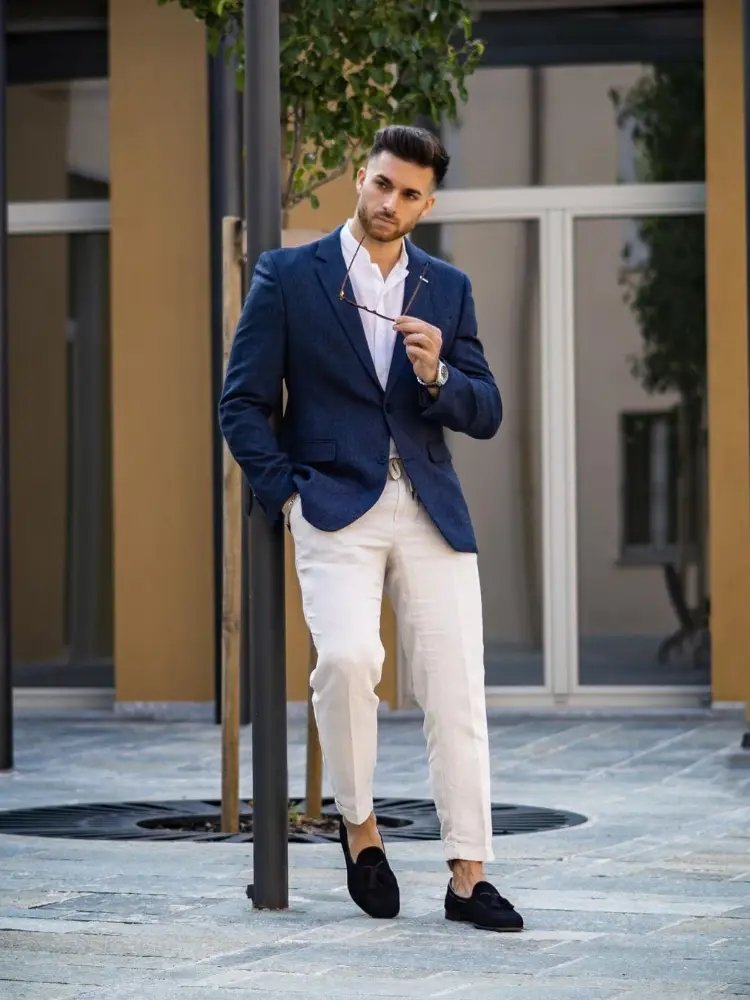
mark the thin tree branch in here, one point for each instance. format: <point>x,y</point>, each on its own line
<point>294,159</point>
<point>336,172</point>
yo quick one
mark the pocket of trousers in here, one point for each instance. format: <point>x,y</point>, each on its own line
<point>288,519</point>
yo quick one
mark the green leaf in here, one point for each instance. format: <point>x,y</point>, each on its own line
<point>425,82</point>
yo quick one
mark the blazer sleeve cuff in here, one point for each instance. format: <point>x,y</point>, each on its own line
<point>448,400</point>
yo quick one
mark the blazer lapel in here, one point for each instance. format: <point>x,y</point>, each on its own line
<point>331,269</point>
<point>420,308</point>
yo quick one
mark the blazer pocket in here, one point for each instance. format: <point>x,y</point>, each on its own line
<point>315,452</point>
<point>438,451</point>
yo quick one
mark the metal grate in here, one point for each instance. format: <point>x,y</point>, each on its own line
<point>399,819</point>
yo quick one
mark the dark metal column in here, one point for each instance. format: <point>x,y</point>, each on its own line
<point>6,684</point>
<point>746,76</point>
<point>90,531</point>
<point>225,121</point>
<point>267,626</point>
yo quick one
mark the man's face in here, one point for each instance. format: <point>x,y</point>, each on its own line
<point>393,196</point>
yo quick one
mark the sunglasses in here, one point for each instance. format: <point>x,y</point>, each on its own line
<point>343,297</point>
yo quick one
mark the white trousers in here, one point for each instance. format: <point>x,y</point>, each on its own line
<point>436,597</point>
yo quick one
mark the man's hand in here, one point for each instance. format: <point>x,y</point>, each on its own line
<point>423,343</point>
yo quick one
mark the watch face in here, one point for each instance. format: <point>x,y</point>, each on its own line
<point>442,376</point>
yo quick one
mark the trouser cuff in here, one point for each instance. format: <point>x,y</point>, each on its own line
<point>354,815</point>
<point>467,852</point>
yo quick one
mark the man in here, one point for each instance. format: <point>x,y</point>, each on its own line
<point>377,344</point>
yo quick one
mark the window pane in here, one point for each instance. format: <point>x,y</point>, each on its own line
<point>58,141</point>
<point>579,125</point>
<point>637,485</point>
<point>61,506</point>
<point>501,477</point>
<point>640,371</point>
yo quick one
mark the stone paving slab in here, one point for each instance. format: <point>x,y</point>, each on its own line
<point>649,899</point>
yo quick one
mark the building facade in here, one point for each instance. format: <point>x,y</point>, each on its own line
<point>612,513</point>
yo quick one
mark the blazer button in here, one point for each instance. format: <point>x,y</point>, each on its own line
<point>389,407</point>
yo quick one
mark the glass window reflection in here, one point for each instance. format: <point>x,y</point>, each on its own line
<point>58,141</point>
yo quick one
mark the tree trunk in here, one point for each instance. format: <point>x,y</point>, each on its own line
<point>232,585</point>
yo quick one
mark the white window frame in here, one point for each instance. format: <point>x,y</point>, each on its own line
<point>556,210</point>
<point>46,218</point>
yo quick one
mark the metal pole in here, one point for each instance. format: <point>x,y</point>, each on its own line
<point>6,683</point>
<point>225,120</point>
<point>267,645</point>
<point>746,102</point>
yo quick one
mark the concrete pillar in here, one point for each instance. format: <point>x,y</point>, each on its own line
<point>728,418</point>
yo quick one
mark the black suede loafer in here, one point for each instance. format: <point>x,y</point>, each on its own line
<point>485,908</point>
<point>370,881</point>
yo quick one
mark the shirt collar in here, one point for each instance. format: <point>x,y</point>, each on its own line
<point>349,246</point>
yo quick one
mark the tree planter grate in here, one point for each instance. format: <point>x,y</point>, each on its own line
<point>399,819</point>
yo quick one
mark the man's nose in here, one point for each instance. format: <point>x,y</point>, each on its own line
<point>390,204</point>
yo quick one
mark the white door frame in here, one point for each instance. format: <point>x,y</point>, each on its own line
<point>556,210</point>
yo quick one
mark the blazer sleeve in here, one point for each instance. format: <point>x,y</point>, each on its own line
<point>469,402</point>
<point>252,388</point>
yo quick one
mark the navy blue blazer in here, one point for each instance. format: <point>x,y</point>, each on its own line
<point>333,440</point>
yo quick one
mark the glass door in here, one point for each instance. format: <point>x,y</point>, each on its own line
<point>501,477</point>
<point>641,452</point>
<point>589,505</point>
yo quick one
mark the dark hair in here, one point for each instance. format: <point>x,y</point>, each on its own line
<point>413,144</point>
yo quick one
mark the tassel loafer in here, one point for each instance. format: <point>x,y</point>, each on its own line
<point>370,881</point>
<point>485,908</point>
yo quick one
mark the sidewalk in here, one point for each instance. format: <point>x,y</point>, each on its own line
<point>649,899</point>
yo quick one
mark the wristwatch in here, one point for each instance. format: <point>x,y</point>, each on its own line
<point>442,377</point>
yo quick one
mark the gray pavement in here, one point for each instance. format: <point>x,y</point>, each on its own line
<point>649,898</point>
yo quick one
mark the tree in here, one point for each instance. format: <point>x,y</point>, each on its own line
<point>346,68</point>
<point>665,288</point>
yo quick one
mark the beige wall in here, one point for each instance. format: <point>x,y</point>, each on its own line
<point>37,323</point>
<point>729,483</point>
<point>162,412</point>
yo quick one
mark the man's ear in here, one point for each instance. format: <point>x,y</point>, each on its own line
<point>361,174</point>
<point>427,207</point>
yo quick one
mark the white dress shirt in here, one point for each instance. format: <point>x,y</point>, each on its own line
<point>384,294</point>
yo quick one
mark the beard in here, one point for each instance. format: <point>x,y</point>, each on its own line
<point>369,224</point>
